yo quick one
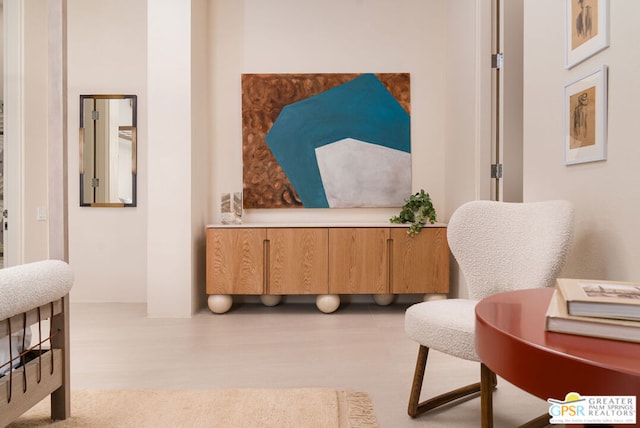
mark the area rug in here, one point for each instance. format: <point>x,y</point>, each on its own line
<point>228,408</point>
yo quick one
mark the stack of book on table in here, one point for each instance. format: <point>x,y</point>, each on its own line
<point>606,309</point>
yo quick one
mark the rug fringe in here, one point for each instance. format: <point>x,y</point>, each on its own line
<point>361,410</point>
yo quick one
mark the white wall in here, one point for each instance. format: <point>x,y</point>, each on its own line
<point>435,41</point>
<point>249,37</point>
<point>467,104</point>
<point>25,129</point>
<point>172,259</point>
<point>289,36</point>
<point>34,168</point>
<point>107,55</point>
<point>605,193</point>
<point>155,252</point>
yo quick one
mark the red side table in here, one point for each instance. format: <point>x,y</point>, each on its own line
<point>512,342</point>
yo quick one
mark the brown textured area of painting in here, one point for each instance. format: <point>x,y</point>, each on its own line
<point>263,97</point>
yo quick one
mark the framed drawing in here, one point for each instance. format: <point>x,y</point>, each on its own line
<point>586,29</point>
<point>585,118</point>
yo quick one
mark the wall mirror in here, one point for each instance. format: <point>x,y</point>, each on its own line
<point>108,150</point>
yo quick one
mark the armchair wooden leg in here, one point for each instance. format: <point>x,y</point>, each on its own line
<point>415,407</point>
<point>418,377</point>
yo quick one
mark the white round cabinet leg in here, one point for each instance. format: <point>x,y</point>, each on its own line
<point>383,299</point>
<point>219,303</point>
<point>328,303</point>
<point>270,299</point>
<point>433,296</point>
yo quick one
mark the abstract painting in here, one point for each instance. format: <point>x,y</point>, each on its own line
<point>333,140</point>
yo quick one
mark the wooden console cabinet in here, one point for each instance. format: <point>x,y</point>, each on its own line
<point>274,260</point>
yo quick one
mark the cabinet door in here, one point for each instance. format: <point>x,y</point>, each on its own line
<point>419,263</point>
<point>358,258</point>
<point>298,261</point>
<point>235,260</point>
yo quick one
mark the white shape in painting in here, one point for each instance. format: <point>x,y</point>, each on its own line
<point>360,174</point>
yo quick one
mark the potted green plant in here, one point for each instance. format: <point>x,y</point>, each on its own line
<point>417,210</point>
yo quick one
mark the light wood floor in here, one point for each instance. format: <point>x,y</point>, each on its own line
<point>360,347</point>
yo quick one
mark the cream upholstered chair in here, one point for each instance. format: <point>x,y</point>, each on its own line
<point>499,247</point>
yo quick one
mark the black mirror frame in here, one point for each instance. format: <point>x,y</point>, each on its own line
<point>134,149</point>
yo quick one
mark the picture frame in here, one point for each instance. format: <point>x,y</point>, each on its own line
<point>586,29</point>
<point>326,140</point>
<point>585,117</point>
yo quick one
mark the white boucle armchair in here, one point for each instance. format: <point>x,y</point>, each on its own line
<point>499,247</point>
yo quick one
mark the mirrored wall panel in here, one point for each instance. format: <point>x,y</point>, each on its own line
<point>108,150</point>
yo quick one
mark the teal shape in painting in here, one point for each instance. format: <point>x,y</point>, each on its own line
<point>361,109</point>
